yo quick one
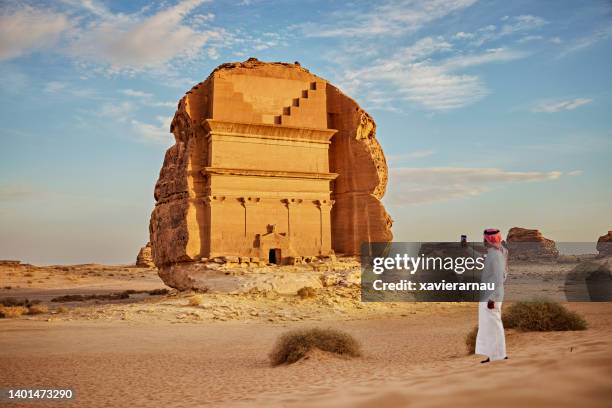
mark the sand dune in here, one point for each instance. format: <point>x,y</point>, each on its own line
<point>416,360</point>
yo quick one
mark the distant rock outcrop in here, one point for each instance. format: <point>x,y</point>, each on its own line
<point>145,257</point>
<point>604,244</point>
<point>530,244</point>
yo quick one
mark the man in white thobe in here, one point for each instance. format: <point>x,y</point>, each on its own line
<point>491,341</point>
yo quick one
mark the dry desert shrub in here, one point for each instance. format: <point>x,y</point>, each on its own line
<point>196,300</point>
<point>62,309</point>
<point>307,292</point>
<point>38,309</point>
<point>542,315</point>
<point>294,345</point>
<point>12,311</point>
<point>470,340</point>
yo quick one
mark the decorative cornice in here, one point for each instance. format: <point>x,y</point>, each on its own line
<point>249,200</point>
<point>324,203</point>
<point>267,131</point>
<point>292,201</point>
<point>269,173</point>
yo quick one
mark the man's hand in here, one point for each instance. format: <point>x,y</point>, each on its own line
<point>491,304</point>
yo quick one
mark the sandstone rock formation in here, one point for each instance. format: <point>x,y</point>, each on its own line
<point>530,244</point>
<point>145,257</point>
<point>590,281</point>
<point>271,162</point>
<point>604,244</point>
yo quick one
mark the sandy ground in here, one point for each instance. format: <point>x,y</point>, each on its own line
<point>160,351</point>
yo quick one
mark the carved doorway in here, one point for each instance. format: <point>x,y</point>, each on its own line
<point>274,256</point>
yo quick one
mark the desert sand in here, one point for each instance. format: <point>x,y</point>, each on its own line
<point>160,351</point>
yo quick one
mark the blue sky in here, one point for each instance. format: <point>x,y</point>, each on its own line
<point>491,113</point>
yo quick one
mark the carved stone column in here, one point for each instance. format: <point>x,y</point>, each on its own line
<point>249,212</point>
<point>213,202</point>
<point>291,204</point>
<point>325,207</point>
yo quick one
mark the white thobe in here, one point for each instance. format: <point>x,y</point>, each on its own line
<point>490,340</point>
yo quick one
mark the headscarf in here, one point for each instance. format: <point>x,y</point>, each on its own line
<point>493,237</point>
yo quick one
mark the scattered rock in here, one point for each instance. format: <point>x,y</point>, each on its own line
<point>306,292</point>
<point>568,259</point>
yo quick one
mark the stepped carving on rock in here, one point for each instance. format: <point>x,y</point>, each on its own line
<point>270,162</point>
<point>530,244</point>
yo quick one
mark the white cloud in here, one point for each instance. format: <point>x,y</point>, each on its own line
<point>575,173</point>
<point>422,185</point>
<point>463,35</point>
<point>201,19</point>
<point>388,18</point>
<point>28,29</point>
<point>135,42</point>
<point>136,94</point>
<point>529,38</point>
<point>155,133</point>
<point>213,53</point>
<point>512,26</point>
<point>117,111</point>
<point>436,85</point>
<point>146,98</point>
<point>487,57</point>
<point>588,41</point>
<point>557,106</point>
<point>90,33</point>
<point>161,104</point>
<point>54,87</point>
<point>522,23</point>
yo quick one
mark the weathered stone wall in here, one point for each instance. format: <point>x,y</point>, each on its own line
<point>355,154</point>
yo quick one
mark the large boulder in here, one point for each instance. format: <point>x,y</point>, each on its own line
<point>247,97</point>
<point>145,257</point>
<point>590,281</point>
<point>530,244</point>
<point>604,244</point>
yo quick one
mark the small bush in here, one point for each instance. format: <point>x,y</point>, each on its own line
<point>542,315</point>
<point>470,340</point>
<point>12,311</point>
<point>307,292</point>
<point>62,309</point>
<point>294,345</point>
<point>196,300</point>
<point>38,309</point>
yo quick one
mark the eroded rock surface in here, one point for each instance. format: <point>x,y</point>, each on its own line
<point>530,244</point>
<point>604,244</point>
<point>269,162</point>
<point>145,257</point>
